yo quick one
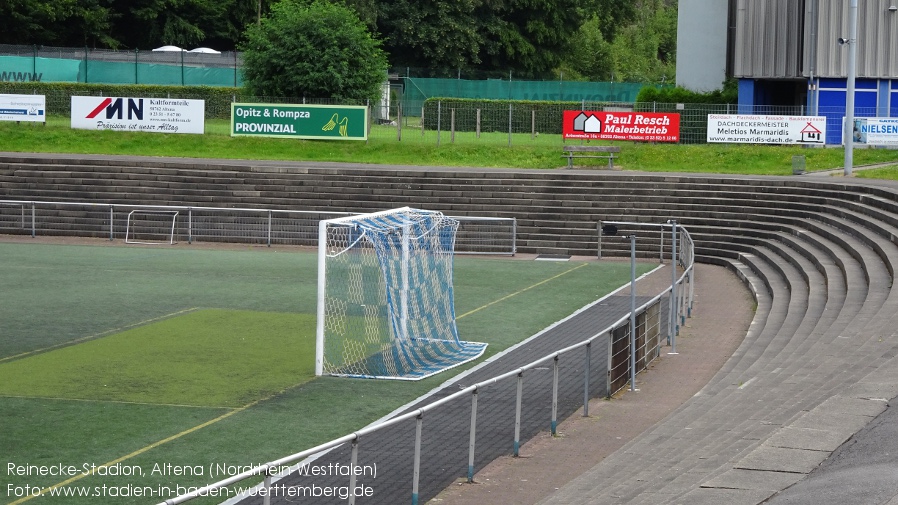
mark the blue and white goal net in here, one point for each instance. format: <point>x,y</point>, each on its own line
<point>385,298</point>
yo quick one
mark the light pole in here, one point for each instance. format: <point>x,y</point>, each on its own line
<point>672,329</point>
<point>632,312</point>
<point>610,229</point>
<point>849,93</point>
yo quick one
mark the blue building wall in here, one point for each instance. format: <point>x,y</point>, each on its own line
<point>872,98</point>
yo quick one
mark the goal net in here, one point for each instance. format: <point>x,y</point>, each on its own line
<point>385,296</point>
<point>151,227</point>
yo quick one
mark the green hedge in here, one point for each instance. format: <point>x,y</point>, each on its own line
<point>728,94</point>
<point>218,99</point>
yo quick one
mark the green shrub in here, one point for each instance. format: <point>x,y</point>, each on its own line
<point>58,94</point>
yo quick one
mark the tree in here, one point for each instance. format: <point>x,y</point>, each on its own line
<point>56,22</point>
<point>437,34</point>
<point>590,55</point>
<point>315,50</point>
<point>645,51</point>
<point>530,36</point>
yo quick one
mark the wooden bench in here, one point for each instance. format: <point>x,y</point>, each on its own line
<point>571,152</point>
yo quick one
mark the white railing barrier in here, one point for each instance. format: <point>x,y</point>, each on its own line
<point>476,234</point>
<point>687,256</point>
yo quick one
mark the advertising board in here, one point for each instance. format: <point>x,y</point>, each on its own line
<point>750,129</point>
<point>157,115</point>
<point>876,131</point>
<point>333,122</point>
<point>616,125</point>
<point>23,108</point>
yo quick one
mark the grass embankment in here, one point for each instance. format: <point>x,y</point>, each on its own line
<point>417,148</point>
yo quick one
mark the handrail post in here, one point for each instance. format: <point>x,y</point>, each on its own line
<point>517,415</point>
<point>691,289</point>
<point>266,500</point>
<point>599,233</point>
<point>33,219</point>
<point>269,228</point>
<point>586,380</point>
<point>416,474</point>
<point>353,463</point>
<point>111,207</point>
<point>472,437</point>
<point>555,396</point>
<point>189,225</point>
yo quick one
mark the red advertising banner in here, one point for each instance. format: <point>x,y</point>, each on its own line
<point>608,125</point>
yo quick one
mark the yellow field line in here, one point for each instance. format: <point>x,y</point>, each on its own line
<point>97,335</point>
<point>506,297</point>
<point>247,406</point>
<point>152,446</point>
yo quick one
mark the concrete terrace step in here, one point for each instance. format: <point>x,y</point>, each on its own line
<point>819,256</point>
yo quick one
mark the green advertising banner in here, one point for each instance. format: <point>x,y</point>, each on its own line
<point>329,122</point>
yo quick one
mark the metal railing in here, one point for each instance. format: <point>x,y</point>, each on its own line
<point>614,336</point>
<point>476,235</point>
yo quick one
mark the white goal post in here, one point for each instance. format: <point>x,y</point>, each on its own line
<point>151,227</point>
<point>385,296</point>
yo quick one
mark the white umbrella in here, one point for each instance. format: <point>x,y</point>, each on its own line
<point>205,50</point>
<point>168,48</point>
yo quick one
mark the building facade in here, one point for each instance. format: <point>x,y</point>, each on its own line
<point>789,56</point>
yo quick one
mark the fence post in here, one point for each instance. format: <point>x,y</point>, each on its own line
<point>610,363</point>
<point>452,126</point>
<point>478,123</point>
<point>472,437</point>
<point>269,228</point>
<point>555,396</point>
<point>33,227</point>
<point>399,122</point>
<point>422,120</point>
<point>510,106</point>
<point>533,124</point>
<point>514,236</point>
<point>111,207</point>
<point>417,465</point>
<point>439,117</point>
<point>189,225</point>
<point>599,232</point>
<point>353,463</point>
<point>517,415</point>
<point>586,379</point>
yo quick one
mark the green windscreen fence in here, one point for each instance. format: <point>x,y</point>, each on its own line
<point>417,90</point>
<point>187,72</point>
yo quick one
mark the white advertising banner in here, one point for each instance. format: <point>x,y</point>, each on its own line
<point>158,115</point>
<point>877,131</point>
<point>747,129</point>
<point>23,108</point>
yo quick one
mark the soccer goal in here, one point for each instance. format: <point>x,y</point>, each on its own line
<point>385,296</point>
<point>151,227</point>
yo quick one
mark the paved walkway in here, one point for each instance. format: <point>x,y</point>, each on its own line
<point>721,317</point>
